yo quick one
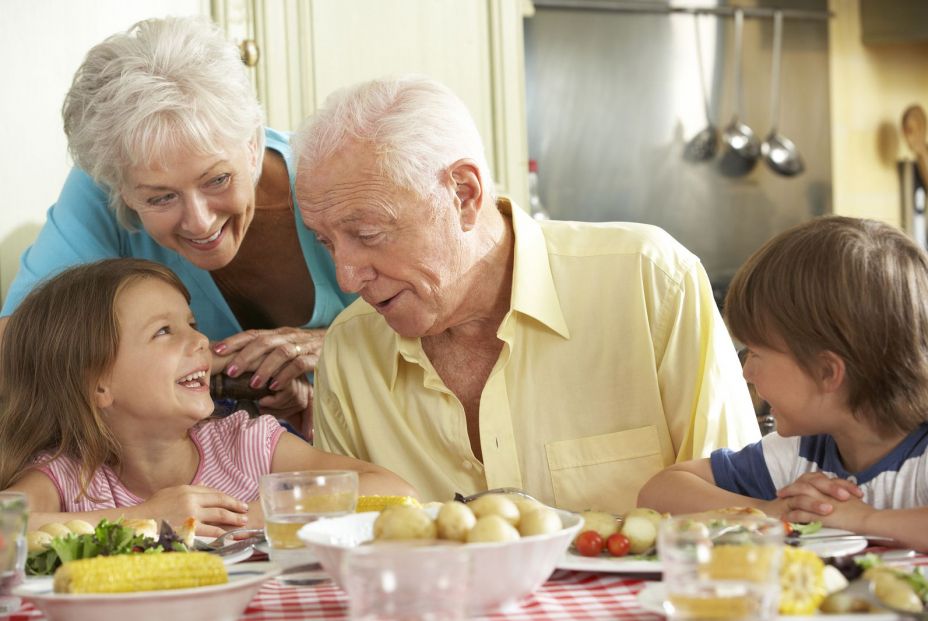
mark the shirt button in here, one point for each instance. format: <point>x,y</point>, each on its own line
<point>466,465</point>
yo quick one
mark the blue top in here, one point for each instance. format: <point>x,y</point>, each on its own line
<point>81,228</point>
<point>897,481</point>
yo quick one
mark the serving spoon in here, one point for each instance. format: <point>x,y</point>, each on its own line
<point>779,152</point>
<point>743,148</point>
<point>704,144</point>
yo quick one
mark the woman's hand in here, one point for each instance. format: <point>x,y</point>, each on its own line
<point>276,356</point>
<point>215,511</point>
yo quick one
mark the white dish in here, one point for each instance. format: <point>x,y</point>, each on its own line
<point>610,564</point>
<point>651,598</point>
<point>210,603</point>
<point>615,565</point>
<point>235,557</point>
<point>832,547</point>
<point>500,573</point>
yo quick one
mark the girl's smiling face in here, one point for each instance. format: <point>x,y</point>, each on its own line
<point>161,371</point>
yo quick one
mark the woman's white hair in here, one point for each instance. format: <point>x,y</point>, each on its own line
<point>416,126</point>
<point>163,85</point>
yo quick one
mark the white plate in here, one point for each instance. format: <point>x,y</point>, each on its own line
<point>824,548</point>
<point>651,598</point>
<point>235,557</point>
<point>828,547</point>
<point>210,603</point>
<point>576,562</point>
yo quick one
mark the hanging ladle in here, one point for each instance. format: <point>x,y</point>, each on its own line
<point>743,148</point>
<point>779,152</point>
<point>703,145</point>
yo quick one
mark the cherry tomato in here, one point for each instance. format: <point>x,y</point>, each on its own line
<point>617,544</point>
<point>589,543</point>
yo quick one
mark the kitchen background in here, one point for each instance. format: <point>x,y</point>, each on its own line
<point>604,94</point>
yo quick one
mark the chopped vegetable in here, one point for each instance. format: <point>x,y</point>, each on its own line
<point>806,529</point>
<point>107,539</point>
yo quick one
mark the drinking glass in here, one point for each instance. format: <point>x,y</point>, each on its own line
<point>721,567</point>
<point>13,516</point>
<point>292,499</point>
<point>407,581</point>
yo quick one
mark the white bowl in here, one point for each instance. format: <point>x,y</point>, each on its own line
<point>501,573</point>
<point>218,602</point>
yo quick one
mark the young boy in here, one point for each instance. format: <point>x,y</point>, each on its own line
<point>834,313</point>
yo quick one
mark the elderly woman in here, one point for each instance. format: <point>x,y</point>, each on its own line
<point>174,165</point>
<point>572,360</point>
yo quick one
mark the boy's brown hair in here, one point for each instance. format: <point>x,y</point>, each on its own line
<point>55,349</point>
<point>857,288</point>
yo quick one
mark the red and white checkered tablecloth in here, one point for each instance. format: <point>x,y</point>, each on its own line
<point>566,596</point>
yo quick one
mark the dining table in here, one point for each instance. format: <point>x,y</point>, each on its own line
<point>566,595</point>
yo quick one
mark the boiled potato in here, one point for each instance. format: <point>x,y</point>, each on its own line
<point>539,521</point>
<point>644,512</point>
<point>403,523</point>
<point>641,533</point>
<point>495,504</point>
<point>454,521</point>
<point>80,527</point>
<point>896,592</point>
<point>55,529</point>
<point>492,528</point>
<point>523,504</point>
<point>603,523</point>
<point>37,541</point>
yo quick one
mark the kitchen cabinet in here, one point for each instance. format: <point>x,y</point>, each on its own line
<point>308,48</point>
<point>893,21</point>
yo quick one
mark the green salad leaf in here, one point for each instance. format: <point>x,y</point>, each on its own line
<point>806,529</point>
<point>108,538</point>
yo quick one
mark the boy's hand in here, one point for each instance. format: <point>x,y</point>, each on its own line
<point>850,514</point>
<point>817,483</point>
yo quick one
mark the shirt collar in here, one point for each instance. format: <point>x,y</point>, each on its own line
<point>533,291</point>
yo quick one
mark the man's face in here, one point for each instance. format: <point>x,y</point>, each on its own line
<point>402,254</point>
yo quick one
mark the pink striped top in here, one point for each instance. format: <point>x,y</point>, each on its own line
<point>234,452</point>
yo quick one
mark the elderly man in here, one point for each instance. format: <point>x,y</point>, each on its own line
<point>568,359</point>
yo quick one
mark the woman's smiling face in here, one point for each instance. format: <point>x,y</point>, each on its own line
<point>197,205</point>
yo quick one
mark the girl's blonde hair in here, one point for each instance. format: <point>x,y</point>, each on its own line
<point>856,288</point>
<point>56,347</point>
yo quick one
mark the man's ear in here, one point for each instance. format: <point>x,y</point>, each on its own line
<point>468,188</point>
<point>831,371</point>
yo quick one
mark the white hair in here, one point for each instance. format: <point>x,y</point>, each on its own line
<point>163,85</point>
<point>417,127</point>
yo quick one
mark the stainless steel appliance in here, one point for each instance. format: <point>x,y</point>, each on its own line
<point>615,93</point>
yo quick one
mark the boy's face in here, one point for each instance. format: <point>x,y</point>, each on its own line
<point>161,372</point>
<point>797,401</point>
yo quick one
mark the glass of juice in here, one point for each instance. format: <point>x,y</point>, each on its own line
<point>721,566</point>
<point>293,499</point>
<point>13,517</point>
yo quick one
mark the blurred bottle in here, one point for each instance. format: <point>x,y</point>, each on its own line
<point>536,208</point>
<point>222,386</point>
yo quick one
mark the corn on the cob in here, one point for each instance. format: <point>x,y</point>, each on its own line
<point>140,572</point>
<point>379,503</point>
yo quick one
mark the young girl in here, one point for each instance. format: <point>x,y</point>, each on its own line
<point>835,315</point>
<point>104,389</point>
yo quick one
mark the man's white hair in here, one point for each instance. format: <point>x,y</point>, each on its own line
<point>416,126</point>
<point>163,85</point>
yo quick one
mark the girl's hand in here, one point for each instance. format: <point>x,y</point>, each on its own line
<point>215,511</point>
<point>277,357</point>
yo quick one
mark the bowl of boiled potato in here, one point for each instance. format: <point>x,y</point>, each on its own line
<point>513,543</point>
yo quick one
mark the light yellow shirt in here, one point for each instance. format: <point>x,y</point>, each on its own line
<point>615,364</point>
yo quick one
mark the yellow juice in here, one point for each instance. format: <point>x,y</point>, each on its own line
<point>281,530</point>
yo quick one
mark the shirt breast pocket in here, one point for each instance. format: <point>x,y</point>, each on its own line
<point>603,472</point>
